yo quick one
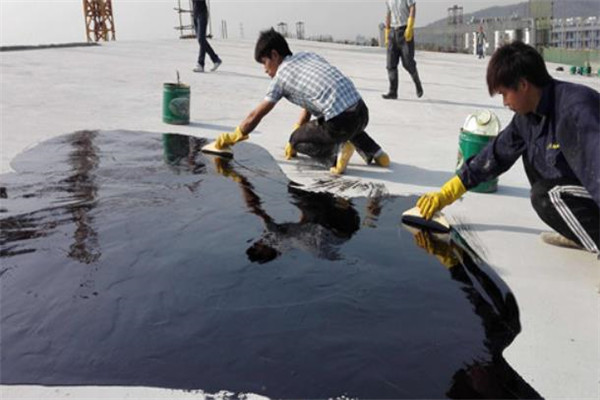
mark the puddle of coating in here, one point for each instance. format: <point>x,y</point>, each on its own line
<point>131,258</point>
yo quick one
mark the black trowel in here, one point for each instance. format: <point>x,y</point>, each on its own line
<point>437,223</point>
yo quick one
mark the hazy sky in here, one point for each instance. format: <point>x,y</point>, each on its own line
<point>60,21</point>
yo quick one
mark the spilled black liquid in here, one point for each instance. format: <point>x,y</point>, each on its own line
<point>129,258</point>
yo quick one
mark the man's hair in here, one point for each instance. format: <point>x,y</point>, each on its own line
<point>513,62</point>
<point>271,40</point>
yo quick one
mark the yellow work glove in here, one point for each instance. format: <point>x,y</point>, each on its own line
<point>289,150</point>
<point>409,32</point>
<point>431,202</point>
<point>386,36</point>
<point>230,138</point>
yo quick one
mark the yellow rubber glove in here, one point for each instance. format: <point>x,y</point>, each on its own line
<point>409,32</point>
<point>431,202</point>
<point>386,35</point>
<point>230,138</point>
<point>289,151</point>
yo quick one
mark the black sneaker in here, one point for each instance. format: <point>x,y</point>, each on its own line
<point>390,96</point>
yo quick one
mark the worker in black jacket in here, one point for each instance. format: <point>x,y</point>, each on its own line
<point>556,129</point>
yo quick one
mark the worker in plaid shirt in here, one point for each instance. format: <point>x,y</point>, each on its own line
<point>333,118</point>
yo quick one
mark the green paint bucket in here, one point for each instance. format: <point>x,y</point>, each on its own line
<point>176,103</point>
<point>479,129</point>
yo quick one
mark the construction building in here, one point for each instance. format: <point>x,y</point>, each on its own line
<point>576,33</point>
<point>535,26</point>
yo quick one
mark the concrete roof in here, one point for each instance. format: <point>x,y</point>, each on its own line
<point>119,86</point>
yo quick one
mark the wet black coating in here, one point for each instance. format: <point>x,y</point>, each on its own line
<point>131,258</point>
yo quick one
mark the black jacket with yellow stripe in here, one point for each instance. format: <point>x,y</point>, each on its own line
<point>561,139</point>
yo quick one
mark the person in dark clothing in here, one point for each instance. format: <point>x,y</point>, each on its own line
<point>481,39</point>
<point>556,130</point>
<point>200,13</point>
<point>399,24</point>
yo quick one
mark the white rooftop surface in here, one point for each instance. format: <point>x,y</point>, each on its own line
<point>118,85</point>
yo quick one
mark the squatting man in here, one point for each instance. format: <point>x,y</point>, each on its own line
<point>556,130</point>
<point>339,115</point>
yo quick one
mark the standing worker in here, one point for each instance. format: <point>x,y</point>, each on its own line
<point>399,25</point>
<point>200,13</point>
<point>556,129</point>
<point>309,81</point>
<point>480,41</point>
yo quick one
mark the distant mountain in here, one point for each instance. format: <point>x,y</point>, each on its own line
<point>562,9</point>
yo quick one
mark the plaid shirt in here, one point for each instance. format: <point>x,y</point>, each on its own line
<point>309,81</point>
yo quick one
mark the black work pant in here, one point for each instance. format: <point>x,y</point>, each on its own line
<point>480,53</point>
<point>321,139</point>
<point>200,24</point>
<point>568,208</point>
<point>399,49</point>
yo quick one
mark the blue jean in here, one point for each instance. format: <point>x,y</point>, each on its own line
<point>200,24</point>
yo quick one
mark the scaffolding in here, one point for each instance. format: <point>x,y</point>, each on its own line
<point>455,21</point>
<point>186,19</point>
<point>300,30</point>
<point>185,11</point>
<point>99,23</point>
<point>282,28</point>
<point>223,29</point>
<point>542,12</point>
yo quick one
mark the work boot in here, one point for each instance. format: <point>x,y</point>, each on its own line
<point>393,92</point>
<point>381,158</point>
<point>556,239</point>
<point>418,86</point>
<point>344,154</point>
<point>419,90</point>
<point>199,68</point>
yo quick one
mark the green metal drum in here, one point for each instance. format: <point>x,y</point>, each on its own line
<point>176,103</point>
<point>469,144</point>
<point>479,129</point>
